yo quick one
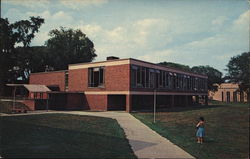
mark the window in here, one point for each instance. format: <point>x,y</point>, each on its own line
<point>66,76</point>
<point>139,78</point>
<point>174,81</point>
<point>96,77</point>
<point>241,96</point>
<point>147,78</point>
<point>228,96</point>
<point>167,79</point>
<point>161,79</point>
<point>133,76</point>
<point>151,78</point>
<point>170,80</point>
<point>164,79</point>
<point>184,82</point>
<point>143,74</point>
<point>157,78</point>
<point>235,96</point>
<point>188,82</point>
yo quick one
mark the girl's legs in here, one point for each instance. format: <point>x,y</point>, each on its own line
<point>201,140</point>
<point>198,140</point>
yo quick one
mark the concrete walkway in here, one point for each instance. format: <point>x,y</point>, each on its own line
<point>145,142</point>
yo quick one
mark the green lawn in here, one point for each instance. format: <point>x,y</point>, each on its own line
<point>62,136</point>
<point>227,129</point>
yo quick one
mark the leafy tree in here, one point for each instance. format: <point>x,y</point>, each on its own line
<point>68,46</point>
<point>214,76</point>
<point>17,33</point>
<point>35,57</point>
<point>239,71</point>
<point>176,65</point>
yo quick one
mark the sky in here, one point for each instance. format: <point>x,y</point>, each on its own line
<point>189,32</point>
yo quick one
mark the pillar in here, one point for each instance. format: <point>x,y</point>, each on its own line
<point>128,103</point>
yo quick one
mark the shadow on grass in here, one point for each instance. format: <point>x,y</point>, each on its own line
<point>180,108</point>
<point>25,140</point>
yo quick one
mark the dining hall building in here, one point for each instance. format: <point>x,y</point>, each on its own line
<point>120,84</point>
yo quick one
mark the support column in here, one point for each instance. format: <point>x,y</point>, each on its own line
<point>128,103</point>
<point>172,101</point>
<point>206,100</point>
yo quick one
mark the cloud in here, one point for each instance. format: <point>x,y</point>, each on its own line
<point>28,3</point>
<point>79,4</point>
<point>219,20</point>
<point>178,34</point>
<point>243,18</point>
<point>154,29</point>
<point>57,19</point>
<point>52,21</point>
<point>158,56</point>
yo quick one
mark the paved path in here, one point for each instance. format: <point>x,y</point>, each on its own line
<point>145,142</point>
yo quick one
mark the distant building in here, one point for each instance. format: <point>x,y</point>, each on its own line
<point>228,92</point>
<point>120,84</point>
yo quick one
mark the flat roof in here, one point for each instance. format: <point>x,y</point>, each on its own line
<point>50,71</point>
<point>32,87</point>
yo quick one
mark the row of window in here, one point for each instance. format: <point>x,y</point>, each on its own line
<point>143,77</point>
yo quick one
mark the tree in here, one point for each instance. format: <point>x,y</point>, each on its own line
<point>21,33</point>
<point>68,46</point>
<point>214,76</point>
<point>176,65</point>
<point>239,71</point>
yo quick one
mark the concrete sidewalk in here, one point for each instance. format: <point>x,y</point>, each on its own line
<point>145,142</point>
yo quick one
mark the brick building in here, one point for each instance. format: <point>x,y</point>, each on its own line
<point>228,92</point>
<point>121,84</point>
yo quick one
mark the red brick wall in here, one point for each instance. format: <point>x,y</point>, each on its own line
<point>78,79</point>
<point>116,79</point>
<point>49,78</point>
<point>97,102</point>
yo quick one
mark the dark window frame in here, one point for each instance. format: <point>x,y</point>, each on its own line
<point>94,77</point>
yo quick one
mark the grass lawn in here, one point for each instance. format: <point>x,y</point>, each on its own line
<point>62,136</point>
<point>227,129</point>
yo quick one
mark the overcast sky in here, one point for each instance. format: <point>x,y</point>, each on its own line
<point>190,32</point>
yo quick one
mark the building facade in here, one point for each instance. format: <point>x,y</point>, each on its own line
<point>228,92</point>
<point>122,84</point>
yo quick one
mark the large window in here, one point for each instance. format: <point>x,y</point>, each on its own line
<point>66,76</point>
<point>133,76</point>
<point>151,78</point>
<point>143,77</point>
<point>96,77</point>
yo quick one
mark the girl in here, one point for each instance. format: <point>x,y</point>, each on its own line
<point>200,130</point>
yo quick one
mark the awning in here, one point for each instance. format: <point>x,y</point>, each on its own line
<point>32,87</point>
